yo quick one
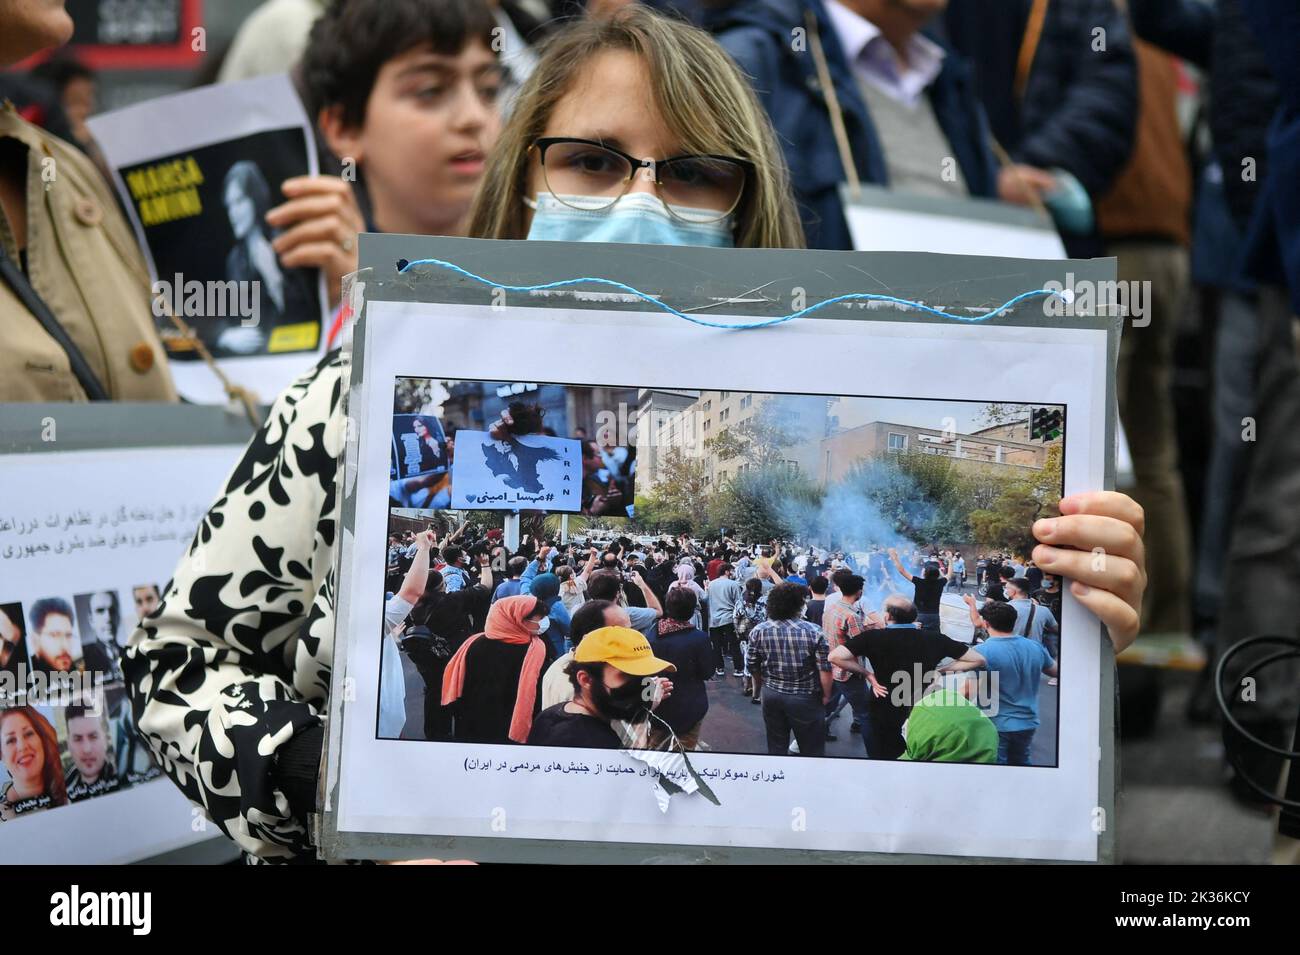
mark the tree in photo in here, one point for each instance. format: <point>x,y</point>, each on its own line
<point>1007,523</point>
<point>412,395</point>
<point>763,504</point>
<point>552,524</point>
<point>679,501</point>
<point>996,413</point>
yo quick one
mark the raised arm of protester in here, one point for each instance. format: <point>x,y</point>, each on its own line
<point>485,572</point>
<point>538,565</point>
<point>651,600</point>
<point>413,584</point>
<point>906,574</point>
<point>590,565</point>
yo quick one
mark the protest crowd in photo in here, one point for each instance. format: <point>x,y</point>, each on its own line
<point>720,621</point>
<point>702,607</point>
<point>575,556</point>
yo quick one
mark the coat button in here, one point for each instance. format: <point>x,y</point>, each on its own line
<point>88,212</point>
<point>142,357</point>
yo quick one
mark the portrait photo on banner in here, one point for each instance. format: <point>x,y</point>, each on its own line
<point>67,733</point>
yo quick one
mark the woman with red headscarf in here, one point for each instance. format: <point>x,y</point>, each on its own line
<point>493,682</point>
<point>29,749</point>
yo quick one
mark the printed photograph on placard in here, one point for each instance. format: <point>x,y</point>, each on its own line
<point>135,762</point>
<point>203,213</point>
<point>146,598</point>
<point>53,640</point>
<point>788,574</point>
<point>90,764</point>
<point>13,642</point>
<point>104,631</point>
<point>31,762</point>
<point>512,446</point>
<point>66,748</point>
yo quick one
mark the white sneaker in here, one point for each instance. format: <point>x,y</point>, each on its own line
<point>794,747</point>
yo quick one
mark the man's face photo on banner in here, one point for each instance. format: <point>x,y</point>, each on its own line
<point>53,641</point>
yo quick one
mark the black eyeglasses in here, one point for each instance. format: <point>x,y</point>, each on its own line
<point>590,176</point>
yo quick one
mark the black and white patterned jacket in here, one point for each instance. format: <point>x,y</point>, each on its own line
<point>237,658</point>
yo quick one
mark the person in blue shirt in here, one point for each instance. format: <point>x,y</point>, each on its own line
<point>544,563</point>
<point>959,571</point>
<point>546,588</point>
<point>454,574</point>
<point>1033,620</point>
<point>513,586</point>
<point>1019,663</point>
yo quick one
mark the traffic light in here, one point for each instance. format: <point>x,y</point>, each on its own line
<point>1045,424</point>
<point>1037,418</point>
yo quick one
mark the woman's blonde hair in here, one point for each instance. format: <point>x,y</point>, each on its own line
<point>705,101</point>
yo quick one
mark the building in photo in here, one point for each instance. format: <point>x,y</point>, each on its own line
<point>1003,447</point>
<point>664,419</point>
<point>690,429</point>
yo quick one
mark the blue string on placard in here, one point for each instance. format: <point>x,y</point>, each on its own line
<point>404,266</point>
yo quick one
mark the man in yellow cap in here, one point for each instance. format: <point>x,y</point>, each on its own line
<point>612,673</point>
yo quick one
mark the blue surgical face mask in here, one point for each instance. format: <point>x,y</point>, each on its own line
<point>638,217</point>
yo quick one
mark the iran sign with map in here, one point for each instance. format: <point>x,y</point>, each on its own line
<point>530,472</point>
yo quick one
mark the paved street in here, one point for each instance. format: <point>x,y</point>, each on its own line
<point>735,725</point>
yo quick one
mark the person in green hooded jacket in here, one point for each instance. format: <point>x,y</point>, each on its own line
<point>946,726</point>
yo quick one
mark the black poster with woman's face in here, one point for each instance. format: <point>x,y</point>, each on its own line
<point>419,446</point>
<point>203,213</point>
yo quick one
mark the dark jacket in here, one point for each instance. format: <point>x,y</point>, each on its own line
<point>1274,240</point>
<point>1243,94</point>
<point>757,34</point>
<point>1184,28</point>
<point>691,652</point>
<point>1079,109</point>
<point>487,703</point>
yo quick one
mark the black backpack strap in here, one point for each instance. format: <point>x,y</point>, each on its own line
<point>1029,621</point>
<point>32,301</point>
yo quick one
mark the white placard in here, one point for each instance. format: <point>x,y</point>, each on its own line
<point>900,223</point>
<point>98,529</point>
<point>449,788</point>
